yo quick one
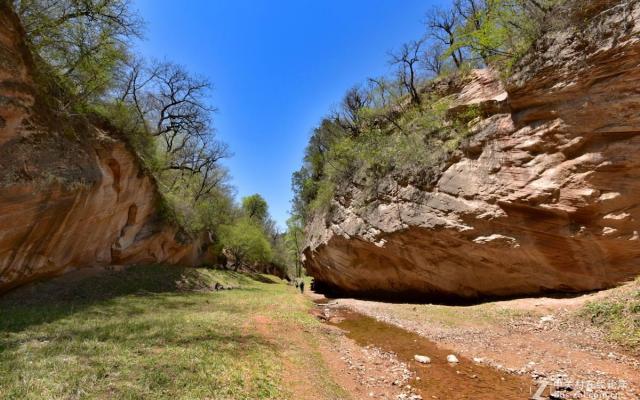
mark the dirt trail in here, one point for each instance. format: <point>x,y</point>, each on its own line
<point>323,364</point>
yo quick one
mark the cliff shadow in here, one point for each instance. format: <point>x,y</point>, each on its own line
<point>47,301</point>
<point>435,298</point>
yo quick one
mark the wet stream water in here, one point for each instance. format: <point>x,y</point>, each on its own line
<point>439,379</point>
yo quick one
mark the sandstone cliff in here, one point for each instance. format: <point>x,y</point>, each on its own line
<point>72,194</point>
<point>544,197</point>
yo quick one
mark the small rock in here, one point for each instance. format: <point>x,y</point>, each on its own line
<point>452,359</point>
<point>422,359</point>
<point>546,318</point>
<point>478,360</point>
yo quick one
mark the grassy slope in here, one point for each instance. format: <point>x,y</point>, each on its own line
<point>145,333</point>
<point>618,314</point>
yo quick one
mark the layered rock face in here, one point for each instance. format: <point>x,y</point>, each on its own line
<point>71,194</point>
<point>545,196</point>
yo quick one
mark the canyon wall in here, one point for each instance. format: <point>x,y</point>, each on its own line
<point>72,193</point>
<point>545,196</point>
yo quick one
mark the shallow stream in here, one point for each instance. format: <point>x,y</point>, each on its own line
<point>439,379</point>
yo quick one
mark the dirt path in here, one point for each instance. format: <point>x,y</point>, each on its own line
<point>536,338</point>
<point>322,363</point>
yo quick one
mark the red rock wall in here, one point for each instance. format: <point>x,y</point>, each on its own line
<point>71,195</point>
<point>545,197</point>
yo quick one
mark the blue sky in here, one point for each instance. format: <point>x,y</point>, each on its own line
<point>278,67</point>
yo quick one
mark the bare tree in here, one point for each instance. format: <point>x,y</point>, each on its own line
<point>469,10</point>
<point>381,93</point>
<point>354,101</point>
<point>171,105</point>
<point>407,59</point>
<point>432,59</point>
<point>442,24</point>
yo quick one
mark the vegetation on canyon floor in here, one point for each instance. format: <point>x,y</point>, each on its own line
<point>162,332</point>
<point>157,333</point>
<point>619,315</point>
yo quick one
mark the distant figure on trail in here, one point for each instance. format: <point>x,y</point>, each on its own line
<point>296,283</point>
<point>301,286</point>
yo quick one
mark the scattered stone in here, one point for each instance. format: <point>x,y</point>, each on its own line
<point>422,359</point>
<point>452,359</point>
<point>546,318</point>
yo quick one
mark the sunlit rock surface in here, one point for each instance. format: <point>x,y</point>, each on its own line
<point>544,197</point>
<point>71,194</point>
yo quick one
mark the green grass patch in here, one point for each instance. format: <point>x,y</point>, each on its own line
<point>618,315</point>
<point>147,333</point>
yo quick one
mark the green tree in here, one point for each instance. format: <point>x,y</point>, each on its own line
<point>246,243</point>
<point>499,31</point>
<point>81,49</point>
<point>255,208</point>
<point>84,41</point>
<point>294,241</point>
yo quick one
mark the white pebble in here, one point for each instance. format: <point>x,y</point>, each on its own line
<point>422,359</point>
<point>452,359</point>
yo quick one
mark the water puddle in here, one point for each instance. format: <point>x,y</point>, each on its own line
<point>439,379</point>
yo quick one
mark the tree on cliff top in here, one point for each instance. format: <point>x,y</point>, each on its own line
<point>407,60</point>
<point>82,58</point>
<point>499,31</point>
<point>85,41</point>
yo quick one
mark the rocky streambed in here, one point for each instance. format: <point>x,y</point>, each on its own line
<point>542,342</point>
<point>431,371</point>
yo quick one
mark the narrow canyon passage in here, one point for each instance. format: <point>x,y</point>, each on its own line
<point>329,200</point>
